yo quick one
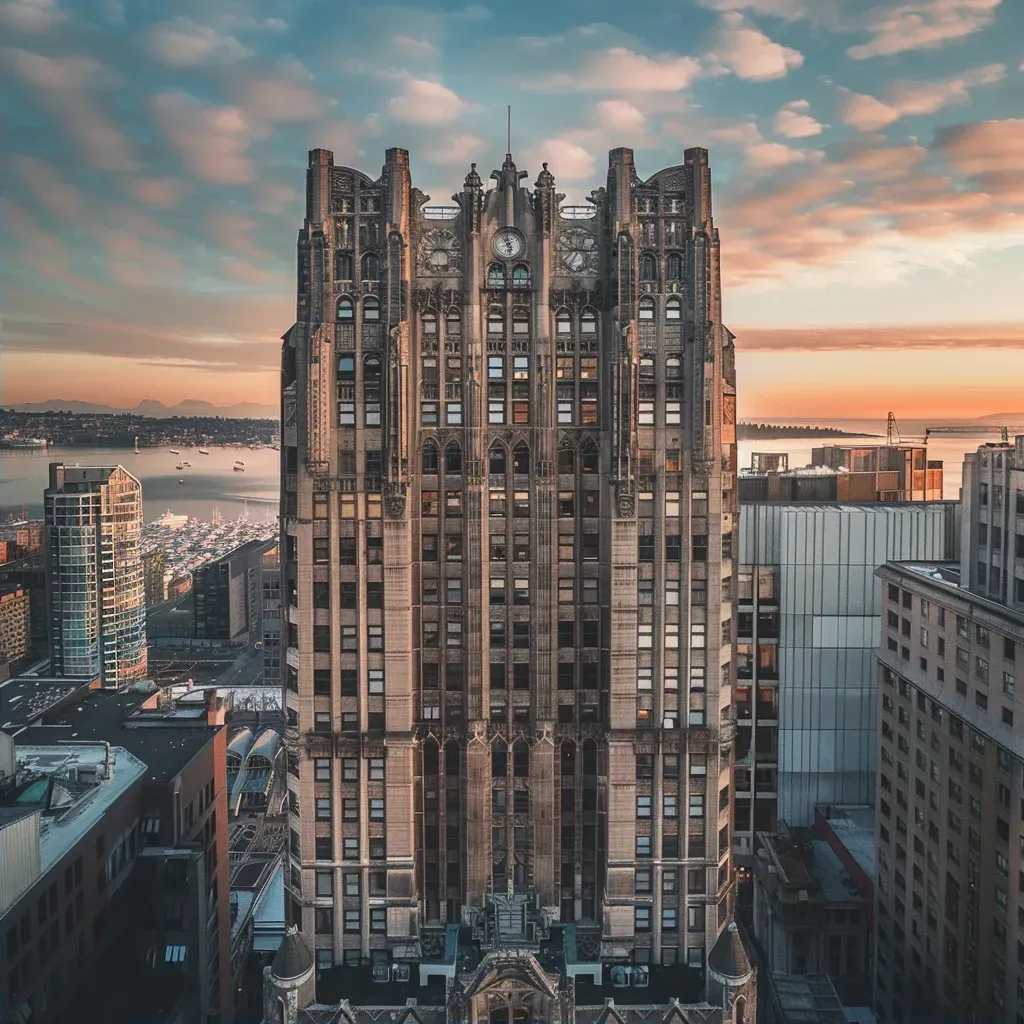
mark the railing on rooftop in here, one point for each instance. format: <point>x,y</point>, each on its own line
<point>439,212</point>
<point>577,212</point>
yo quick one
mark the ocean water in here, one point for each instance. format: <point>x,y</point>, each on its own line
<point>210,482</point>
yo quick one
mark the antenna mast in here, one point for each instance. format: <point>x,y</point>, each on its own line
<point>508,131</point>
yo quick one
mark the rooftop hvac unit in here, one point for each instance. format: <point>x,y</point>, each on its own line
<point>381,972</point>
<point>400,972</point>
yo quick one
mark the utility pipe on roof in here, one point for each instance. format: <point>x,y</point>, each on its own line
<point>107,763</point>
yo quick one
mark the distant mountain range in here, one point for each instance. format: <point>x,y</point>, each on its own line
<point>151,407</point>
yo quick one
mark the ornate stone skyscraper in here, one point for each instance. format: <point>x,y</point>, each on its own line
<point>508,501</point>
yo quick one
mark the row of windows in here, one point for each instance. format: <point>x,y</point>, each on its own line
<point>345,313</point>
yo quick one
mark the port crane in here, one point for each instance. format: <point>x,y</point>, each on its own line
<point>983,428</point>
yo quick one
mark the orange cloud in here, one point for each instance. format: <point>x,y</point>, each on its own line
<point>885,338</point>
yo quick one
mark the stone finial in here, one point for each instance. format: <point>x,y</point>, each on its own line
<point>473,179</point>
<point>545,179</point>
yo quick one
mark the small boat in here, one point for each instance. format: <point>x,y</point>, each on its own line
<point>137,452</point>
<point>238,469</point>
<point>239,462</point>
<point>174,451</point>
<point>181,482</point>
<point>188,464</point>
<point>204,451</point>
<point>179,466</point>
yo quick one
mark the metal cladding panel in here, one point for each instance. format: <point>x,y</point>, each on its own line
<point>829,605</point>
<point>19,859</point>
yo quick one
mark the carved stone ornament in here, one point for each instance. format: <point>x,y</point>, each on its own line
<point>626,504</point>
<point>395,505</point>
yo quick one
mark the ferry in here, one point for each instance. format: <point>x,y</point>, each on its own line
<point>16,441</point>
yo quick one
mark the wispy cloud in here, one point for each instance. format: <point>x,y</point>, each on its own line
<point>922,25</point>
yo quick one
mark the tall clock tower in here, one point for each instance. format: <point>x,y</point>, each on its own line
<point>508,502</point>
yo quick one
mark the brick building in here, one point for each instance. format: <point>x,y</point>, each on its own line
<point>15,625</point>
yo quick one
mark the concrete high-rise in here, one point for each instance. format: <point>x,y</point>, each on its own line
<point>950,866</point>
<point>95,590</point>
<point>508,511</point>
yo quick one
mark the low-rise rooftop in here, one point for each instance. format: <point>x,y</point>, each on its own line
<point>25,699</point>
<point>162,740</point>
<point>72,786</point>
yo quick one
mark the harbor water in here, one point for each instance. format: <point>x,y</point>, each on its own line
<point>209,482</point>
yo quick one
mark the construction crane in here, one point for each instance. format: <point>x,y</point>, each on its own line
<point>981,428</point>
<point>892,432</point>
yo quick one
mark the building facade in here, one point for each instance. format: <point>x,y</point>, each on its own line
<point>809,621</point>
<point>96,602</point>
<point>154,568</point>
<point>270,570</point>
<point>508,503</point>
<point>882,472</point>
<point>992,548</point>
<point>950,789</point>
<point>227,595</point>
<point>15,625</point>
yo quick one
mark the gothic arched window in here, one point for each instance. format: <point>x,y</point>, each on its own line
<point>648,268</point>
<point>499,759</point>
<point>673,309</point>
<point>428,323</point>
<point>674,267</point>
<point>521,458</point>
<point>520,320</point>
<point>521,276</point>
<point>495,276</point>
<point>588,322</point>
<point>563,325</point>
<point>521,759</point>
<point>429,459</point>
<point>647,308</point>
<point>566,460</point>
<point>346,308</point>
<point>496,459</point>
<point>453,322</point>
<point>371,309</point>
<point>369,268</point>
<point>343,266</point>
<point>495,321</point>
<point>453,458</point>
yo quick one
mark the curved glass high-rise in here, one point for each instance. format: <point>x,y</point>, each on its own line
<point>95,588</point>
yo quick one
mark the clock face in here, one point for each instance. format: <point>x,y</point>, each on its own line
<point>508,244</point>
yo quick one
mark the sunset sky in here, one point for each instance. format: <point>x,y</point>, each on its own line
<point>868,167</point>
